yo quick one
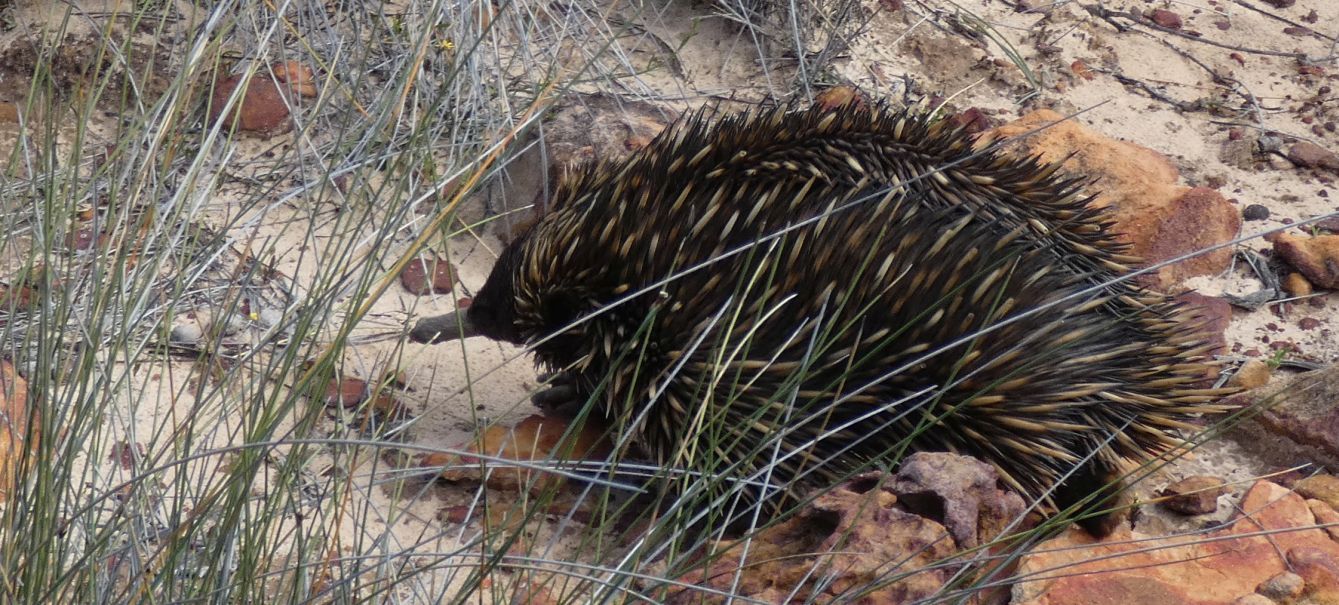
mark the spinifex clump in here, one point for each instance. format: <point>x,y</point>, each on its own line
<point>791,295</point>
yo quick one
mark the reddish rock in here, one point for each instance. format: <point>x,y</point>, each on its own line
<point>1165,18</point>
<point>867,533</point>
<point>1216,315</point>
<point>960,492</point>
<point>346,392</point>
<point>1196,569</point>
<point>1316,258</point>
<point>1158,218</point>
<point>1319,569</point>
<point>533,438</point>
<point>432,276</point>
<point>1081,70</point>
<point>973,121</point>
<point>1196,495</point>
<point>1311,155</point>
<point>17,412</point>
<point>265,104</point>
<point>1296,285</point>
<point>1300,408</point>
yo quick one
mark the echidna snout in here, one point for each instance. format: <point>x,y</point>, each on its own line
<point>488,314</point>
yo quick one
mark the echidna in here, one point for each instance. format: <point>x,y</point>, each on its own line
<point>792,295</point>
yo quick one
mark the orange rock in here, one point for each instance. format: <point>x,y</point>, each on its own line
<point>1296,285</point>
<point>1158,218</point>
<point>15,417</point>
<point>1202,569</point>
<point>264,107</point>
<point>1254,373</point>
<point>534,438</point>
<point>876,534</point>
<point>1317,258</point>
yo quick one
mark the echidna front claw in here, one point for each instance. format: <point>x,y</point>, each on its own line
<point>442,328</point>
<point>560,396</point>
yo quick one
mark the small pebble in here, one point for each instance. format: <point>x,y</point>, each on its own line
<point>1196,495</point>
<point>1255,212</point>
<point>1295,284</point>
<point>1283,587</point>
<point>186,333</point>
<point>1252,374</point>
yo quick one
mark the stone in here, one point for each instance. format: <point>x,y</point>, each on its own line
<point>265,104</point>
<point>1255,212</point>
<point>869,533</point>
<point>1197,495</point>
<point>1320,487</point>
<point>1159,218</point>
<point>1252,374</point>
<point>432,276</point>
<point>1315,257</point>
<point>1295,284</point>
<point>1211,568</point>
<point>1311,155</point>
<point>1282,587</point>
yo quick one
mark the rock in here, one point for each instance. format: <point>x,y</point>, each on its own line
<point>432,276</point>
<point>1254,599</point>
<point>1196,495</point>
<point>1280,3</point>
<point>1157,217</point>
<point>1252,374</point>
<point>866,533</point>
<point>1165,18</point>
<point>1299,408</point>
<point>1240,148</point>
<point>17,414</point>
<point>1282,588</point>
<point>265,104</point>
<point>1296,285</point>
<point>1326,516</point>
<point>580,127</point>
<point>1255,212</point>
<point>1217,567</point>
<point>1216,315</point>
<point>533,438</point>
<point>1311,155</point>
<point>1319,568</point>
<point>1320,487</point>
<point>1315,257</point>
<point>972,121</point>
<point>959,492</point>
<point>346,392</point>
<point>186,333</point>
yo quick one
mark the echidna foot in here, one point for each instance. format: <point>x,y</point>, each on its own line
<point>560,397</point>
